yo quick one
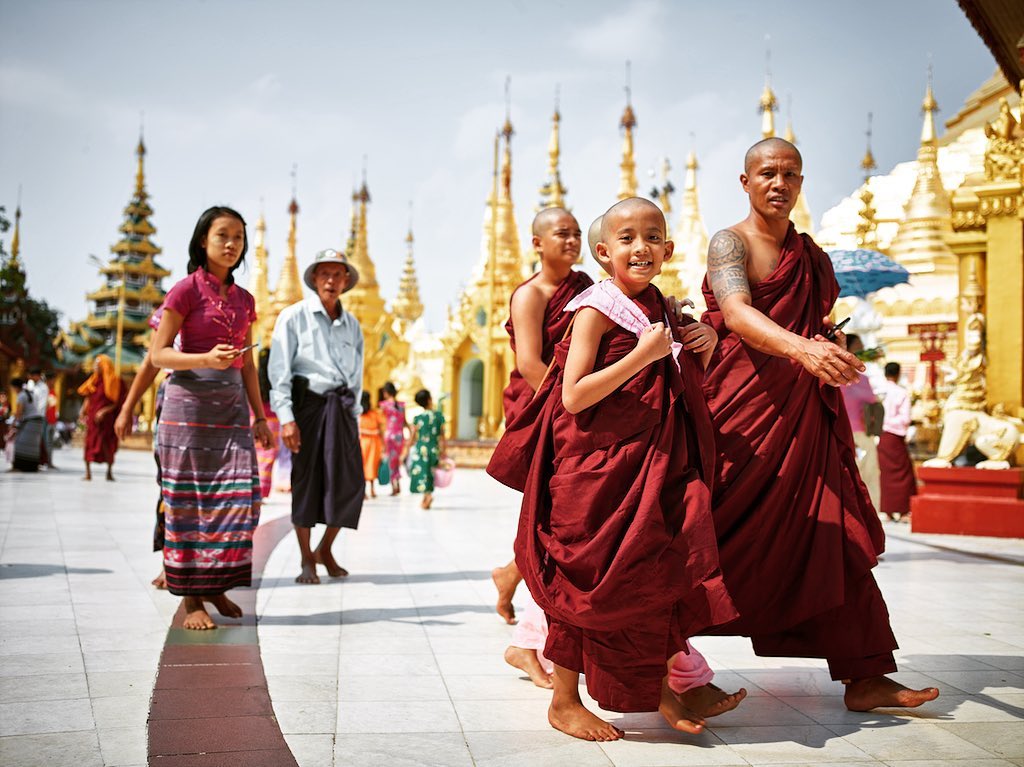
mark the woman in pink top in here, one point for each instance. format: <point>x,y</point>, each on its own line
<point>210,482</point>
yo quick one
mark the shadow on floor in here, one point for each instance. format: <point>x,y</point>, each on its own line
<point>387,579</point>
<point>424,616</point>
<point>16,570</point>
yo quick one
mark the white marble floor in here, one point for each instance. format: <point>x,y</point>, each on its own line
<point>400,664</point>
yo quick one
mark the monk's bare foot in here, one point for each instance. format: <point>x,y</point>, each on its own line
<point>225,606</point>
<point>574,719</point>
<point>110,475</point>
<point>883,692</point>
<point>678,715</point>
<point>308,574</point>
<point>326,558</point>
<point>526,660</point>
<point>87,477</point>
<point>711,700</point>
<point>505,580</point>
<point>160,581</point>
<point>196,617</point>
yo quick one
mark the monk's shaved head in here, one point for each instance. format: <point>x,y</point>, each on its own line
<point>594,235</point>
<point>625,208</point>
<point>766,145</point>
<point>547,218</point>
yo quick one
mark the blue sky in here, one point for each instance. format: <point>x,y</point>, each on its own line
<point>236,92</point>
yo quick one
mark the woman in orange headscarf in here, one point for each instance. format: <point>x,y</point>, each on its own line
<point>103,392</point>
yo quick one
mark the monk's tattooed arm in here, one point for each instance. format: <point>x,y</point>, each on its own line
<point>727,266</point>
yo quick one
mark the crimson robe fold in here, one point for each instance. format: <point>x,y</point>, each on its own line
<point>518,393</point>
<point>797,533</point>
<point>616,541</point>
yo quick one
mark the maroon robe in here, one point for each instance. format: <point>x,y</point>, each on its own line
<point>797,533</point>
<point>518,392</point>
<point>616,541</point>
<point>897,474</point>
<point>100,439</point>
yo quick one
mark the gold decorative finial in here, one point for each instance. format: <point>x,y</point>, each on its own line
<point>868,164</point>
<point>16,239</point>
<point>789,135</point>
<point>140,175</point>
<point>768,104</point>
<point>289,287</point>
<point>627,179</point>
<point>407,306</point>
<point>552,192</point>
<point>506,129</point>
<point>929,107</point>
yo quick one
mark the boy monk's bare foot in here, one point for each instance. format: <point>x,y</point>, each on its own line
<point>160,581</point>
<point>196,617</point>
<point>572,718</point>
<point>326,558</point>
<point>883,692</point>
<point>676,714</point>
<point>526,660</point>
<point>308,574</point>
<point>505,580</point>
<point>711,700</point>
<point>225,606</point>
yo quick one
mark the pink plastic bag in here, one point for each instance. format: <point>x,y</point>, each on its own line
<point>444,472</point>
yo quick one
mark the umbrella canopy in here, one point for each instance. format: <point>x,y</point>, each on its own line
<point>860,272</point>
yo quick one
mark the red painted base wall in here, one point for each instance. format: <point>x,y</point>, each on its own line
<point>965,501</point>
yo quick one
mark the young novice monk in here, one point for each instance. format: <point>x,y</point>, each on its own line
<point>537,322</point>
<point>615,537</point>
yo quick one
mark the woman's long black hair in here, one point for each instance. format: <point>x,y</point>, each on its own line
<point>196,251</point>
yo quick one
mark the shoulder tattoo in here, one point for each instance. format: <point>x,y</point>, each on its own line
<point>727,265</point>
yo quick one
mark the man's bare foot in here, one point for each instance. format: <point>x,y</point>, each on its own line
<point>225,606</point>
<point>160,581</point>
<point>505,581</point>
<point>711,700</point>
<point>574,719</point>
<point>87,477</point>
<point>526,660</point>
<point>326,558</point>
<point>308,574</point>
<point>676,714</point>
<point>883,692</point>
<point>196,617</point>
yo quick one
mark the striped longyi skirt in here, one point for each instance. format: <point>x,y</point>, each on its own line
<point>209,482</point>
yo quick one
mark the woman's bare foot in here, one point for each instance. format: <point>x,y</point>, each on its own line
<point>505,580</point>
<point>308,574</point>
<point>526,660</point>
<point>711,700</point>
<point>883,692</point>
<point>574,719</point>
<point>225,606</point>
<point>326,558</point>
<point>160,581</point>
<point>196,617</point>
<point>676,714</point>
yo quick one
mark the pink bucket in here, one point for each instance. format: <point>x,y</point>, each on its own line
<point>444,472</point>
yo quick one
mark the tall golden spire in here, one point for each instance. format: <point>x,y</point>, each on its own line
<point>407,306</point>
<point>289,286</point>
<point>259,285</point>
<point>689,262</point>
<point>16,239</point>
<point>627,179</point>
<point>920,243</point>
<point>511,265</point>
<point>801,213</point>
<point>768,104</point>
<point>552,193</point>
<point>867,227</point>
<point>364,300</point>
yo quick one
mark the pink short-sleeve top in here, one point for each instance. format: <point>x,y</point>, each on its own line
<point>209,319</point>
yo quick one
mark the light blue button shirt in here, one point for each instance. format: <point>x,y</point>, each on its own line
<point>307,342</point>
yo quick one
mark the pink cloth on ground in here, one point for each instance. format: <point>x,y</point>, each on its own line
<point>686,673</point>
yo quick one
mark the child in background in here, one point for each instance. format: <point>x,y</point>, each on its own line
<point>371,440</point>
<point>428,445</point>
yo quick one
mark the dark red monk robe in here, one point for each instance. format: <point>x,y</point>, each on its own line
<point>518,392</point>
<point>100,439</point>
<point>797,533</point>
<point>897,470</point>
<point>615,541</point>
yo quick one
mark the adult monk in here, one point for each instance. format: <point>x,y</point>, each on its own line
<point>103,392</point>
<point>536,323</point>
<point>796,530</point>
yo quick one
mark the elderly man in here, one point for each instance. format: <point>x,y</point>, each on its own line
<point>797,534</point>
<point>316,373</point>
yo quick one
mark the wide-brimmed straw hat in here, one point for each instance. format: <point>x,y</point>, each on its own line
<point>331,256</point>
